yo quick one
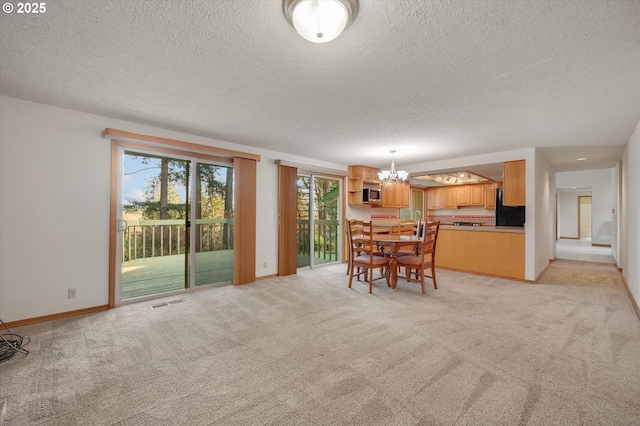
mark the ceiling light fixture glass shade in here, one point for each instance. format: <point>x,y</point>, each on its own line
<point>391,175</point>
<point>320,21</point>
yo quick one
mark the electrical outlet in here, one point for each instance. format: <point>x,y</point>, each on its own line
<point>264,264</point>
<point>72,293</point>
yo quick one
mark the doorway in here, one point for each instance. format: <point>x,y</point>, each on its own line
<point>318,220</point>
<point>416,206</point>
<point>176,227</point>
<point>584,217</point>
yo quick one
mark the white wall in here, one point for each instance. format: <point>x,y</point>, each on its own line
<point>630,194</point>
<point>54,206</point>
<point>568,213</point>
<point>551,234</point>
<point>544,218</point>
<point>616,184</point>
<point>602,199</point>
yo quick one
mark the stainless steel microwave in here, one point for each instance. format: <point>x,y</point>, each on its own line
<point>370,195</point>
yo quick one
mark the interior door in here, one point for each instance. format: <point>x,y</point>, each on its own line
<point>416,206</point>
<point>584,217</point>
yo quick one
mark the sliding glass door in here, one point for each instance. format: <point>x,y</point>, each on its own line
<point>155,224</point>
<point>154,217</point>
<point>318,220</point>
<point>213,232</point>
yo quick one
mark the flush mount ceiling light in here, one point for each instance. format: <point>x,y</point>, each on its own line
<point>391,175</point>
<point>320,21</point>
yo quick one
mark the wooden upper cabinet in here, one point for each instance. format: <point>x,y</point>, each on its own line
<point>366,173</point>
<point>434,196</point>
<point>405,196</point>
<point>470,195</point>
<point>463,195</point>
<point>360,177</point>
<point>370,174</point>
<point>450,197</point>
<point>476,195</point>
<point>396,195</point>
<point>490,195</point>
<point>453,197</point>
<point>514,183</point>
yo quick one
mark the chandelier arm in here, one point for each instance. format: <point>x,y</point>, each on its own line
<point>392,175</point>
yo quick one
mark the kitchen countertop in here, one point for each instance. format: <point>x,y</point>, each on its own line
<point>485,228</point>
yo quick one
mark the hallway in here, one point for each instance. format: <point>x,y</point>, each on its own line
<point>583,250</point>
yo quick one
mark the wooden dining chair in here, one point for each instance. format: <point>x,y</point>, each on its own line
<point>365,256</point>
<point>350,242</point>
<point>408,227</point>
<point>425,257</point>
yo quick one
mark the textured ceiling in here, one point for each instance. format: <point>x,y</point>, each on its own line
<point>433,79</point>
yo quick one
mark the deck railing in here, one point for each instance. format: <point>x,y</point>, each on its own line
<point>153,238</point>
<point>326,241</point>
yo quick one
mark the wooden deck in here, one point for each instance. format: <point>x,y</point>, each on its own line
<point>144,277</point>
<point>156,275</point>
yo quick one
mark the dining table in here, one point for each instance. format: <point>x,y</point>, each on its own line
<point>394,242</point>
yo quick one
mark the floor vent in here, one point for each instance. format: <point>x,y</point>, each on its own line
<point>171,302</point>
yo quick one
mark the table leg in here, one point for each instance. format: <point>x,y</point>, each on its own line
<point>394,269</point>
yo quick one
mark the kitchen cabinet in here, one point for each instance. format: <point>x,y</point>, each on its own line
<point>476,196</point>
<point>395,195</point>
<point>470,195</point>
<point>463,195</point>
<point>434,197</point>
<point>370,174</point>
<point>514,183</point>
<point>450,197</point>
<point>490,195</point>
<point>499,254</point>
<point>361,177</point>
<point>454,197</point>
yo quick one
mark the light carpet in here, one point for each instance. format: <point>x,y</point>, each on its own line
<point>306,350</point>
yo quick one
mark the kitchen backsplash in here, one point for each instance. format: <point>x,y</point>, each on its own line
<point>385,219</point>
<point>449,219</point>
<point>445,219</point>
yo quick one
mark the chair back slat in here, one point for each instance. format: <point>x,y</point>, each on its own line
<point>364,254</point>
<point>361,236</point>
<point>429,233</point>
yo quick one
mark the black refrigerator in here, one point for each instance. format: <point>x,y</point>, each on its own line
<point>508,215</point>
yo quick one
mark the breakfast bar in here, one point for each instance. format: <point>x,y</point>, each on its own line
<point>487,250</point>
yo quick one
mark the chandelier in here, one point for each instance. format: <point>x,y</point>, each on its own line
<point>391,175</point>
<point>320,21</point>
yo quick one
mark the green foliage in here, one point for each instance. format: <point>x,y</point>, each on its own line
<point>151,209</point>
<point>326,198</point>
<point>212,189</point>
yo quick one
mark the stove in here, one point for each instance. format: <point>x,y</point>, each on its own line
<point>466,224</point>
